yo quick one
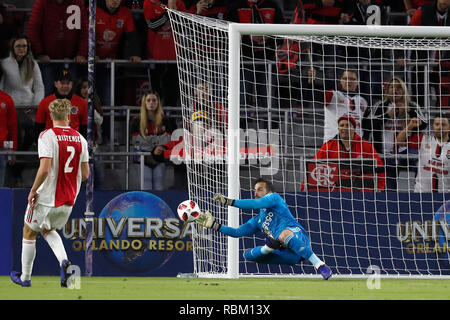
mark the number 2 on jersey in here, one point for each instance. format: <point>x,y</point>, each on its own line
<point>67,168</point>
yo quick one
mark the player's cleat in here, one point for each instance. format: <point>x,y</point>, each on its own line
<point>15,277</point>
<point>64,275</point>
<point>325,271</point>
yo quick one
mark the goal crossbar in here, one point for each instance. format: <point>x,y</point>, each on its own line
<point>339,30</point>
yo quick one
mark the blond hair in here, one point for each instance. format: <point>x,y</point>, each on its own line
<point>406,97</point>
<point>155,116</point>
<point>60,109</point>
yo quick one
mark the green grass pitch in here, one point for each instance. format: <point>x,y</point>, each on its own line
<point>151,288</point>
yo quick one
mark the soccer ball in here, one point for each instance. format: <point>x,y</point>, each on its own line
<point>188,211</point>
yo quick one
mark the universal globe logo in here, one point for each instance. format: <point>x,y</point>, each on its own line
<point>136,232</point>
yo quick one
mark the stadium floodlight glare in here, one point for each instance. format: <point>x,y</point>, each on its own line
<point>267,93</point>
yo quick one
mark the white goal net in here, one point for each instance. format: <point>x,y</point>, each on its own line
<point>345,124</point>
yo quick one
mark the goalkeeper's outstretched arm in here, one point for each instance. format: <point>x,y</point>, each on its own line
<point>261,203</point>
<point>207,220</point>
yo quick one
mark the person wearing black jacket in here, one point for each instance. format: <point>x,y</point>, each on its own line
<point>385,120</point>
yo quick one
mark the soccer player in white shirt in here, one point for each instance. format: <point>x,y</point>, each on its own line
<point>63,166</point>
<point>433,173</point>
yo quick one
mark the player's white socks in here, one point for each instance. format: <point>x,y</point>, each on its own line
<point>316,262</point>
<point>28,255</point>
<point>266,250</point>
<point>54,241</point>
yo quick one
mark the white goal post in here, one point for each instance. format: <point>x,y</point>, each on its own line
<point>373,228</point>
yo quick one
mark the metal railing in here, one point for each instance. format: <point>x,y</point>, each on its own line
<point>122,158</point>
<point>114,112</point>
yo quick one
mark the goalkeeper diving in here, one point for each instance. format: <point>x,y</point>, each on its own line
<point>287,241</point>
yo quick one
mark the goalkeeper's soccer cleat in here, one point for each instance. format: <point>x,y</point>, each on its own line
<point>325,271</point>
<point>15,277</point>
<point>64,275</point>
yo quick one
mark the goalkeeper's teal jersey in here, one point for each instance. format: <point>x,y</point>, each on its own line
<point>274,217</point>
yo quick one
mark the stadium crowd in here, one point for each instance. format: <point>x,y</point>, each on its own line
<point>44,57</point>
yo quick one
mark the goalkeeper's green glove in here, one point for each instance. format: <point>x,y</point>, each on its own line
<point>207,220</point>
<point>222,199</point>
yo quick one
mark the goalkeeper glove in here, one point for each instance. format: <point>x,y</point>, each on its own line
<point>222,199</point>
<point>274,244</point>
<point>207,220</point>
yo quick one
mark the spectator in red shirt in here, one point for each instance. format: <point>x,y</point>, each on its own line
<point>161,46</point>
<point>115,24</point>
<point>299,13</point>
<point>81,89</point>
<point>411,6</point>
<point>327,11</point>
<point>349,145</point>
<point>116,37</point>
<point>78,114</point>
<point>8,131</point>
<point>58,29</point>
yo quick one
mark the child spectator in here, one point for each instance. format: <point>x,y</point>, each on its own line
<point>81,89</point>
<point>327,11</point>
